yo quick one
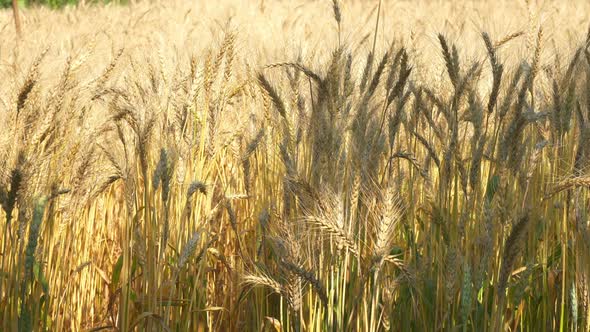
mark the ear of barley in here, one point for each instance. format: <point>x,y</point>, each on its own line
<point>188,250</point>
<point>452,70</point>
<point>512,248</point>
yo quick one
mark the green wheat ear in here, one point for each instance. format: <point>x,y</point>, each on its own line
<point>25,317</point>
<point>466,294</point>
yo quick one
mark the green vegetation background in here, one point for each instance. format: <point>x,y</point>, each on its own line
<point>52,3</point>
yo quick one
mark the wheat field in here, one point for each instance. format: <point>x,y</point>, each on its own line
<point>305,165</point>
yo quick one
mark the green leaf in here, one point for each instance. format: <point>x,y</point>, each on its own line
<point>117,271</point>
<point>492,187</point>
<point>134,265</point>
<point>480,294</point>
<point>133,296</point>
<point>39,277</point>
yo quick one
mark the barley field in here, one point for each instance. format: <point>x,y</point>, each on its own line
<point>304,165</point>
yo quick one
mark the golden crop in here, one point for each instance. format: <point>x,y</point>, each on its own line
<point>296,165</point>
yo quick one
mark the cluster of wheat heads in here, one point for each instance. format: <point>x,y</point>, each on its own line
<point>376,185</point>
